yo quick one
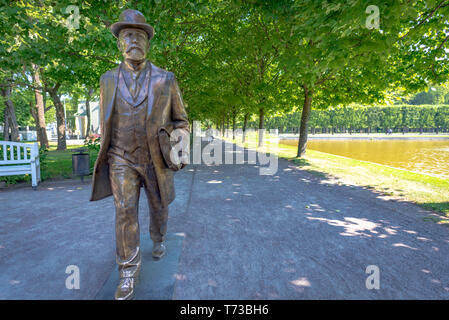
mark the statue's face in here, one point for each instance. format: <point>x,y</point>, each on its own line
<point>133,43</point>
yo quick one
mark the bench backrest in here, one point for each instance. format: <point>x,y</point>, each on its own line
<point>17,152</point>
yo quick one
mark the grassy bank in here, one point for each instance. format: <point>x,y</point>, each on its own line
<point>429,192</point>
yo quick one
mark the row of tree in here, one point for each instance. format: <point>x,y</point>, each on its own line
<point>369,119</point>
<point>234,59</point>
<point>434,95</point>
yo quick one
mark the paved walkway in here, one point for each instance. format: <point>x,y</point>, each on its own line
<point>293,235</point>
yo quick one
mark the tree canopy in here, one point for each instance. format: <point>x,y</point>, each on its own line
<point>234,59</point>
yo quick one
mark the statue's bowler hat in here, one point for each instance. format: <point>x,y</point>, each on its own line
<point>132,19</point>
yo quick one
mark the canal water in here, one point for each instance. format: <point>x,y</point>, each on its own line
<point>424,156</point>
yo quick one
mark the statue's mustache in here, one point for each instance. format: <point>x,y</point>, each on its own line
<point>134,47</point>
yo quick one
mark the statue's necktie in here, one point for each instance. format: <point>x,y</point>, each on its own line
<point>134,89</point>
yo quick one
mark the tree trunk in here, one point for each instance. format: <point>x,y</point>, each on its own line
<point>302,143</point>
<point>227,126</point>
<point>38,111</point>
<point>88,126</point>
<point>33,112</point>
<point>60,117</point>
<point>245,123</point>
<point>223,126</point>
<point>233,122</point>
<point>261,116</point>
<point>10,113</point>
<point>6,125</point>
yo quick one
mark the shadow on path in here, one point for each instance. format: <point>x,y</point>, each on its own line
<point>297,235</point>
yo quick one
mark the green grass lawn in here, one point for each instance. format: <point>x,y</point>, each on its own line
<point>59,162</point>
<point>429,192</point>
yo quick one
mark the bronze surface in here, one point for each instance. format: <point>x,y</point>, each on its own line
<point>137,100</point>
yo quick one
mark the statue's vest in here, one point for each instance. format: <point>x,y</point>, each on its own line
<point>128,136</point>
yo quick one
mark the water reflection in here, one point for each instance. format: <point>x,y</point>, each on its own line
<point>424,156</point>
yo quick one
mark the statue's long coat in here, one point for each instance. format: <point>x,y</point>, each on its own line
<point>165,109</point>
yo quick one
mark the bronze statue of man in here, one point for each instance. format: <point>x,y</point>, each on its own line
<point>139,103</point>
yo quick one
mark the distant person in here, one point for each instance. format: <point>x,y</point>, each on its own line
<point>209,135</point>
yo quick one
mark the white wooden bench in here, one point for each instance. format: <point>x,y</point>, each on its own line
<point>20,158</point>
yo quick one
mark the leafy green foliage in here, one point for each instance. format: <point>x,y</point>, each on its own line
<point>369,118</point>
<point>43,152</point>
<point>235,58</point>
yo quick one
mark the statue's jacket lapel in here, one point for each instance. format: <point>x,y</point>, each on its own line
<point>101,186</point>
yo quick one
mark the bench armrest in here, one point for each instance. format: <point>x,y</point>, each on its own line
<point>35,152</point>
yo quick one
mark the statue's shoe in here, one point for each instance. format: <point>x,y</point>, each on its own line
<point>158,250</point>
<point>125,289</point>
